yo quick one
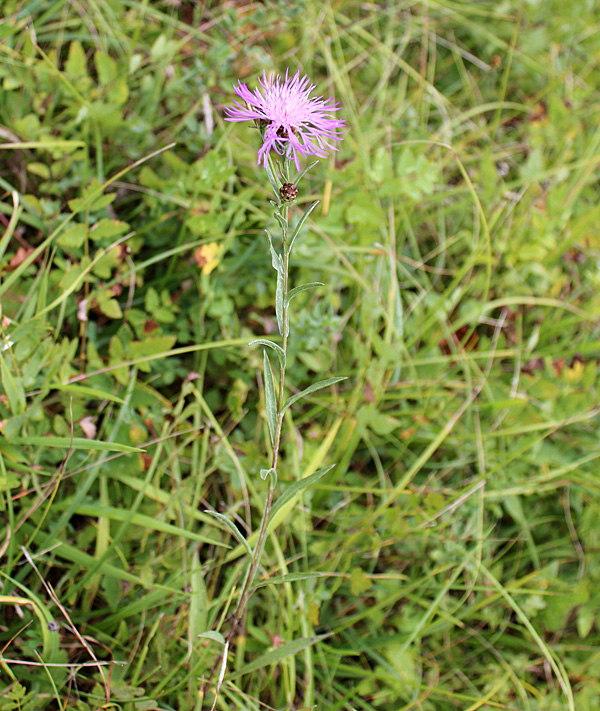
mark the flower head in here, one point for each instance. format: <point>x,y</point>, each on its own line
<point>292,123</point>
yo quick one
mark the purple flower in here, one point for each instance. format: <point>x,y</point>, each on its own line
<point>292,123</point>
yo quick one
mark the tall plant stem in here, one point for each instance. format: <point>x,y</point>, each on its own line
<point>262,533</point>
<point>257,552</point>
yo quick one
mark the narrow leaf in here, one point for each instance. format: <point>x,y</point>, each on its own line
<point>83,390</point>
<point>279,298</point>
<point>305,171</point>
<point>295,489</point>
<point>272,179</point>
<point>198,616</point>
<point>298,289</point>
<point>275,258</point>
<point>276,655</point>
<point>215,636</point>
<point>143,520</point>
<point>270,397</point>
<point>283,223</point>
<point>310,389</point>
<point>301,224</point>
<point>278,349</point>
<point>76,443</point>
<point>13,389</point>
<point>289,578</point>
<point>232,528</point>
<point>6,237</point>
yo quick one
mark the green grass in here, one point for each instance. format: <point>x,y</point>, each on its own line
<point>449,559</point>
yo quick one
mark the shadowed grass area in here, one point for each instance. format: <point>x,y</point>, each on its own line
<point>449,559</point>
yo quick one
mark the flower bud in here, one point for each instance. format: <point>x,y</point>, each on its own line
<point>288,192</point>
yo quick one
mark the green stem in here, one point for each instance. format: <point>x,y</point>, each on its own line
<point>262,533</point>
<point>240,609</point>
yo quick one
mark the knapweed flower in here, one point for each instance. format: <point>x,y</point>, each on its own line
<point>292,123</point>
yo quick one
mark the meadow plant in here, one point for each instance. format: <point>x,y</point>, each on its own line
<point>292,126</point>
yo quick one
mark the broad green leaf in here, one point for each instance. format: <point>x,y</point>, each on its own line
<point>301,224</point>
<point>76,64</point>
<point>299,289</point>
<point>73,236</point>
<point>106,67</point>
<point>296,488</point>
<point>311,389</point>
<point>76,443</point>
<point>271,400</point>
<point>278,349</point>
<point>106,228</point>
<point>276,655</point>
<point>92,198</point>
<point>150,346</point>
<point>233,529</point>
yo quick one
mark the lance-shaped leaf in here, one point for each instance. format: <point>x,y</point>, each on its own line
<point>305,171</point>
<point>310,389</point>
<point>215,636</point>
<point>283,223</point>
<point>298,289</point>
<point>275,184</point>
<point>232,528</point>
<point>198,599</point>
<point>276,655</point>
<point>275,258</point>
<point>270,397</point>
<point>289,578</point>
<point>301,224</point>
<point>278,349</point>
<point>295,489</point>
<point>279,298</point>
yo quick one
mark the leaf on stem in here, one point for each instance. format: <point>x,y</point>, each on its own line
<point>310,389</point>
<point>283,223</point>
<point>232,528</point>
<point>264,473</point>
<point>275,258</point>
<point>305,171</point>
<point>295,489</point>
<point>301,224</point>
<point>270,397</point>
<point>215,636</point>
<point>272,179</point>
<point>278,349</point>
<point>298,289</point>
<point>279,299</point>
